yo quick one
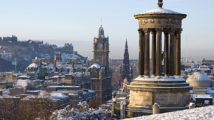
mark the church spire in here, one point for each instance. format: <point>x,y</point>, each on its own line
<point>126,66</point>
<point>126,53</point>
<point>126,46</point>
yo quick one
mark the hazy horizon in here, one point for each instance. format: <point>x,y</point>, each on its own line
<point>78,21</point>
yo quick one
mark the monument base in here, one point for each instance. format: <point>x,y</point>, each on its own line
<point>171,93</point>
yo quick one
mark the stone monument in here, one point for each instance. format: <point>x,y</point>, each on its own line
<point>163,83</point>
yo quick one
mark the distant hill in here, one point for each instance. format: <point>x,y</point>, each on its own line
<point>13,51</point>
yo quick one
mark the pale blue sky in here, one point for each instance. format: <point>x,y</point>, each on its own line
<point>75,21</point>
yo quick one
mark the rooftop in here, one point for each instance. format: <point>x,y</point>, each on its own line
<point>161,10</point>
<point>198,76</point>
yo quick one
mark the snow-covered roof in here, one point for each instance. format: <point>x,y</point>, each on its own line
<point>154,78</point>
<point>33,65</point>
<point>24,77</point>
<point>95,65</point>
<point>66,56</point>
<point>160,10</point>
<point>210,91</point>
<point>203,68</point>
<point>22,83</point>
<point>203,96</point>
<point>56,76</point>
<point>91,91</point>
<point>57,96</point>
<point>198,76</point>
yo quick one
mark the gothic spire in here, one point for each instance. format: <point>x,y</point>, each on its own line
<point>126,53</point>
<point>126,66</point>
<point>126,46</point>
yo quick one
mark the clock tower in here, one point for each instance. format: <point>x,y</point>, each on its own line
<point>100,74</point>
<point>101,49</point>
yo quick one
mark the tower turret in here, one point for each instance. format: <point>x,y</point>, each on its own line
<point>101,49</point>
<point>101,32</point>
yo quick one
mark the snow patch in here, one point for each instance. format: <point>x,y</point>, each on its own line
<point>33,65</point>
<point>58,96</point>
<point>203,113</point>
<point>95,65</point>
<point>160,10</point>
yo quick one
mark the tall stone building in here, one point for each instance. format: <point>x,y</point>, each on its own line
<point>126,67</point>
<point>100,74</point>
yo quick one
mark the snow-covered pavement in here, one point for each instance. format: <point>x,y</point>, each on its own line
<point>203,113</point>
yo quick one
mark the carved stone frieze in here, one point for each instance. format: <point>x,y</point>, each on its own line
<point>159,23</point>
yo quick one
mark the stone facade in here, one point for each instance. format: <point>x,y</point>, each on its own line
<point>168,92</point>
<point>57,57</point>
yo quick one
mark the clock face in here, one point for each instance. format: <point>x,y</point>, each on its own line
<point>100,46</point>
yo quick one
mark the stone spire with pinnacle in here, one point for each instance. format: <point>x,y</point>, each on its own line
<point>126,66</point>
<point>101,31</point>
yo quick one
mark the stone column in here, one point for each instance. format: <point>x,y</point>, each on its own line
<point>141,53</point>
<point>122,109</point>
<point>153,52</point>
<point>178,53</point>
<point>166,53</point>
<point>147,53</point>
<point>113,106</point>
<point>158,53</point>
<point>94,55</point>
<point>171,66</point>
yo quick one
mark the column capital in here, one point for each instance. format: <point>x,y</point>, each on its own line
<point>153,32</point>
<point>159,29</point>
<point>146,30</point>
<point>172,30</point>
<point>140,30</point>
<point>166,31</point>
<point>178,31</point>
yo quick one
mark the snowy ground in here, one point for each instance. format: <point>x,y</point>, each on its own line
<point>203,113</point>
<point>82,112</point>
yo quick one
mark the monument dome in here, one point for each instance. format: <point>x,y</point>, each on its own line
<point>160,10</point>
<point>199,79</point>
